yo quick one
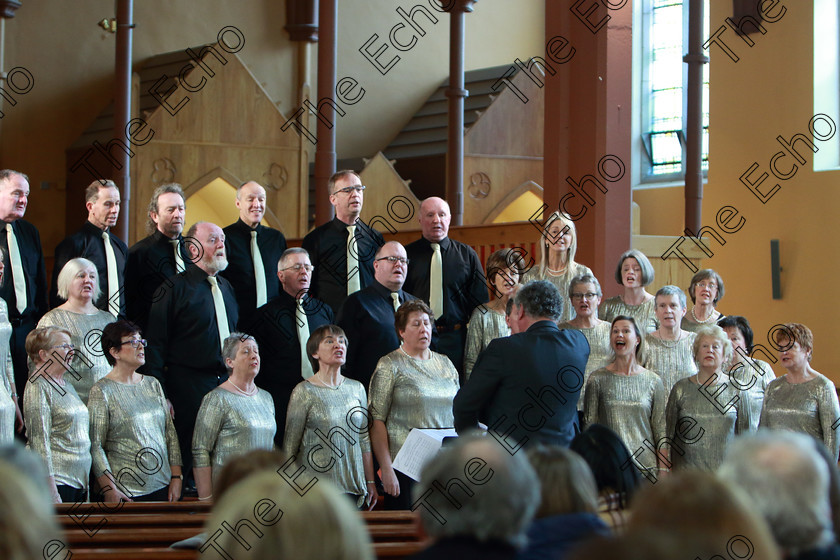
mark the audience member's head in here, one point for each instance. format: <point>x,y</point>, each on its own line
<point>273,520</point>
<point>649,545</point>
<point>29,463</point>
<point>29,528</point>
<point>238,468</point>
<point>566,481</point>
<point>833,484</point>
<point>491,494</point>
<point>699,506</point>
<point>788,484</point>
<point>610,462</point>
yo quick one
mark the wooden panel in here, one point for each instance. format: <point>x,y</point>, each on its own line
<point>505,175</point>
<point>390,205</point>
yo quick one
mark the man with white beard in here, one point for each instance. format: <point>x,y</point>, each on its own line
<point>186,329</point>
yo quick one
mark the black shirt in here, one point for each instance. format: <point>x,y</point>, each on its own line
<point>32,259</point>
<point>464,286</point>
<point>367,318</point>
<point>274,327</point>
<point>327,247</point>
<point>88,243</point>
<point>151,261</point>
<point>183,332</point>
<point>240,270</point>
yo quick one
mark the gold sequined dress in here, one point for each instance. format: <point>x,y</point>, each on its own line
<point>339,413</point>
<point>703,420</point>
<point>485,326</point>
<point>408,393</point>
<point>600,353</point>
<point>633,406</point>
<point>85,332</point>
<point>672,360</point>
<point>230,424</point>
<point>7,379</point>
<point>811,408</point>
<point>133,435</point>
<point>562,282</point>
<point>690,325</point>
<point>57,424</point>
<point>754,378</point>
<point>644,313</point>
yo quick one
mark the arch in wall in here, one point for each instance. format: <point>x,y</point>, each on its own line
<point>211,197</point>
<point>519,205</point>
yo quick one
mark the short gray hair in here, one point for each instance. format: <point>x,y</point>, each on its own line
<point>788,484</point>
<point>585,279</point>
<point>488,493</point>
<point>671,290</point>
<point>69,271</point>
<point>289,252</point>
<point>540,298</point>
<point>231,347</point>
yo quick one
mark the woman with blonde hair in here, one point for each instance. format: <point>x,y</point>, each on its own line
<point>558,245</point>
<point>488,321</point>
<point>278,521</point>
<point>79,285</point>
<point>707,410</point>
<point>634,272</point>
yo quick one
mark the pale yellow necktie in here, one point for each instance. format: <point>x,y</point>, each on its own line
<point>221,314</point>
<point>303,336</point>
<point>396,297</point>
<point>436,282</point>
<point>353,272</point>
<point>113,277</point>
<point>18,278</point>
<point>179,262</point>
<point>259,270</point>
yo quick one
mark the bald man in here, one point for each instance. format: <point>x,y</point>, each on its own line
<point>462,288</point>
<point>367,316</point>
<point>253,251</point>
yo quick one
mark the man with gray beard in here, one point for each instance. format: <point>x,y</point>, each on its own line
<point>186,329</point>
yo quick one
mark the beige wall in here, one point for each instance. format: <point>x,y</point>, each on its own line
<point>71,60</point>
<point>767,93</point>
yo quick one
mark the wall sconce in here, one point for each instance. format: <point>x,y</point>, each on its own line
<point>775,269</point>
<point>109,25</point>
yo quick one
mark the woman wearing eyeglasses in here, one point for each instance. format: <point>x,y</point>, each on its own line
<point>706,290</point>
<point>135,449</point>
<point>79,285</point>
<point>488,321</point>
<point>56,418</point>
<point>236,417</point>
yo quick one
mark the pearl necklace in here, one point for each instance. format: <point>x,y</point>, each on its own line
<point>246,393</point>
<point>325,384</point>
<point>706,320</point>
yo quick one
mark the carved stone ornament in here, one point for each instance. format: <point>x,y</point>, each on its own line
<point>479,186</point>
<point>276,177</point>
<point>163,171</point>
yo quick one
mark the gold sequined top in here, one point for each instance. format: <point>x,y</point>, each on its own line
<point>133,435</point>
<point>483,327</point>
<point>85,331</point>
<point>672,360</point>
<point>754,379</point>
<point>408,393</point>
<point>810,408</point>
<point>230,424</point>
<point>600,353</point>
<point>57,427</point>
<point>690,325</point>
<point>703,420</point>
<point>644,313</point>
<point>562,282</point>
<point>633,406</point>
<point>7,379</point>
<point>339,414</point>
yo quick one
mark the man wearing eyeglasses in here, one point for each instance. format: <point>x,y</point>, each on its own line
<point>343,249</point>
<point>368,315</point>
<point>282,327</point>
<point>253,251</point>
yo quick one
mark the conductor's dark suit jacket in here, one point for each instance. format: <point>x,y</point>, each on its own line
<point>525,387</point>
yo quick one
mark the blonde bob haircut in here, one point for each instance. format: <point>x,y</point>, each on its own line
<point>716,333</point>
<point>42,338</point>
<point>27,518</point>
<point>70,271</point>
<point>566,482</point>
<point>272,520</point>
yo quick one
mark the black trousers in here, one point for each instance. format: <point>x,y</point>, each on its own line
<point>70,495</point>
<point>405,499</point>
